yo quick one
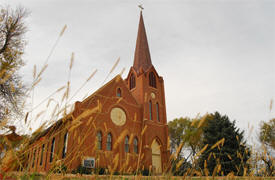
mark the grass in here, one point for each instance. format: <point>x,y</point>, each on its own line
<point>14,160</point>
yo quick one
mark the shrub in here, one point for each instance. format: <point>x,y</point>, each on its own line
<point>82,170</point>
<point>60,169</point>
<point>100,171</point>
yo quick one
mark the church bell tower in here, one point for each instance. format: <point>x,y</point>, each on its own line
<point>147,87</point>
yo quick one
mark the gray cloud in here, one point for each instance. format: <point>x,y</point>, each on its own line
<point>213,55</point>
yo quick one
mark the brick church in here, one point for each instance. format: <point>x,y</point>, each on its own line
<point>122,126</point>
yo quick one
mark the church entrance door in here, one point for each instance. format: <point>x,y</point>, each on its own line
<point>156,157</point>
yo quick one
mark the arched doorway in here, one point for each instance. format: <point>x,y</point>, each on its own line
<point>156,157</point>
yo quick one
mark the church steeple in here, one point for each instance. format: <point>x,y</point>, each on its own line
<point>142,58</point>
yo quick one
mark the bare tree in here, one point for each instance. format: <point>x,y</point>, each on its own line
<point>12,44</point>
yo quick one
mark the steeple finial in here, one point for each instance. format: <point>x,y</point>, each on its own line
<point>142,58</point>
<point>141,7</point>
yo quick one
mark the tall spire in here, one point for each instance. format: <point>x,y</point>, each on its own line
<point>142,54</point>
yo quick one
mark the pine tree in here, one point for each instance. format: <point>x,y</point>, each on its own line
<point>226,150</point>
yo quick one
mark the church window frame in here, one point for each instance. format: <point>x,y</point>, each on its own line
<point>150,110</point>
<point>42,153</point>
<point>52,149</point>
<point>135,145</point>
<point>33,160</point>
<point>126,144</point>
<point>157,111</point>
<point>37,159</point>
<point>65,146</point>
<point>152,80</point>
<point>109,142</point>
<point>118,92</point>
<point>132,81</point>
<point>99,140</point>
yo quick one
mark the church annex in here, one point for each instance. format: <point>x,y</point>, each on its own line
<point>122,126</point>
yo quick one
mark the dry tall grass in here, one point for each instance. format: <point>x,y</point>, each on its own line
<point>16,158</point>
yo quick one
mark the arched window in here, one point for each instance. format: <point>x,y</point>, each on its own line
<point>136,145</point>
<point>37,159</point>
<point>152,80</point>
<point>132,81</point>
<point>126,144</point>
<point>52,150</point>
<point>150,110</point>
<point>64,152</point>
<point>34,152</point>
<point>99,140</point>
<point>157,109</point>
<point>109,142</point>
<point>118,92</point>
<point>42,152</point>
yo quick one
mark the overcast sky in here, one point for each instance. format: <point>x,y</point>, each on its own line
<point>214,55</point>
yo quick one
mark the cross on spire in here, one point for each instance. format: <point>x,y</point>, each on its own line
<point>141,7</point>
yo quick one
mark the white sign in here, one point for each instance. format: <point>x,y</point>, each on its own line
<point>89,162</point>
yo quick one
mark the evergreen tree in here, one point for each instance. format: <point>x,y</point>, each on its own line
<point>226,150</point>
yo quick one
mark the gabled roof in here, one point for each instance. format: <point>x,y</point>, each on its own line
<point>107,86</point>
<point>37,135</point>
<point>142,54</point>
